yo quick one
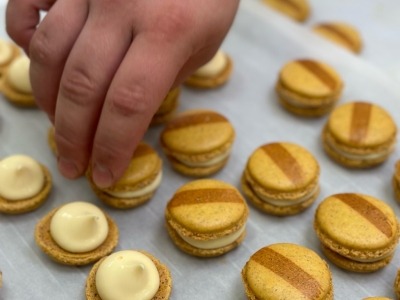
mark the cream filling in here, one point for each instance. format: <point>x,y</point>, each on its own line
<point>214,67</point>
<point>6,52</point>
<point>301,105</point>
<point>215,243</point>
<point>208,163</point>
<point>127,275</point>
<point>139,193</point>
<point>371,156</point>
<point>283,203</point>
<point>21,177</point>
<point>18,75</point>
<point>371,259</point>
<point>79,227</point>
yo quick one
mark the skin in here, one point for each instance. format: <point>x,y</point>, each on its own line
<point>101,68</point>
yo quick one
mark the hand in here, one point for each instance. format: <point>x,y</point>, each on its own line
<point>101,68</point>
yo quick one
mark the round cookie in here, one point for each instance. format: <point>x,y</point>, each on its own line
<point>47,243</point>
<point>198,142</point>
<point>287,271</point>
<point>281,178</point>
<point>308,88</point>
<point>213,74</point>
<point>359,135</point>
<point>341,34</point>
<point>358,232</point>
<point>298,10</point>
<point>139,182</point>
<point>8,52</point>
<point>207,218</point>
<point>167,108</point>
<point>163,293</point>
<point>17,175</point>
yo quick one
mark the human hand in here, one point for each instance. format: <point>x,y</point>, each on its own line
<point>101,68</point>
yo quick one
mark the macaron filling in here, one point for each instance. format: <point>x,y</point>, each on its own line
<point>6,52</point>
<point>214,243</point>
<point>310,103</point>
<point>214,67</point>
<point>211,162</point>
<point>141,192</point>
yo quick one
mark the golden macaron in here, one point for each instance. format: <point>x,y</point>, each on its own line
<point>308,88</point>
<point>8,52</point>
<point>298,10</point>
<point>281,178</point>
<point>287,271</point>
<point>207,217</point>
<point>359,135</point>
<point>358,232</point>
<point>341,34</point>
<point>198,142</point>
<point>167,108</point>
<point>139,182</point>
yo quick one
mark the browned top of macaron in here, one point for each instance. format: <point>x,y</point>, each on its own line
<point>361,124</point>
<point>282,167</point>
<point>207,206</point>
<point>197,132</point>
<point>288,271</point>
<point>296,9</point>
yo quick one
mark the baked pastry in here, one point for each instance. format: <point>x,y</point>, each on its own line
<point>76,233</point>
<point>308,88</point>
<point>359,135</point>
<point>341,34</point>
<point>298,10</point>
<point>129,274</point>
<point>281,179</point>
<point>287,271</point>
<point>51,139</point>
<point>167,108</point>
<point>24,184</point>
<point>139,182</point>
<point>198,142</point>
<point>15,83</point>
<point>207,217</point>
<point>358,232</point>
<point>213,74</point>
<point>397,284</point>
<point>8,52</point>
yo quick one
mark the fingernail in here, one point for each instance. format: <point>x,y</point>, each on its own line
<point>67,168</point>
<point>102,176</point>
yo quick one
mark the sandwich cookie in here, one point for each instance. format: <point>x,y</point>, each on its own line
<point>24,184</point>
<point>281,178</point>
<point>298,10</point>
<point>397,284</point>
<point>213,74</point>
<point>207,218</point>
<point>396,181</point>
<point>358,232</point>
<point>8,52</point>
<point>129,274</point>
<point>76,233</point>
<point>359,135</point>
<point>15,84</point>
<point>198,142</point>
<point>167,108</point>
<point>51,139</point>
<point>341,34</point>
<point>139,182</point>
<point>287,271</point>
<point>308,88</point>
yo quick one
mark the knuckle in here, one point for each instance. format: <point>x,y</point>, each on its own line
<point>175,24</point>
<point>40,49</point>
<point>130,100</point>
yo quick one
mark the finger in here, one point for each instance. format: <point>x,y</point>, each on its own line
<point>88,72</point>
<point>50,47</point>
<point>22,17</point>
<point>139,86</point>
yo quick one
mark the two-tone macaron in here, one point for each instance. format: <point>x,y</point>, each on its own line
<point>198,142</point>
<point>342,34</point>
<point>359,135</point>
<point>358,232</point>
<point>139,182</point>
<point>298,10</point>
<point>308,88</point>
<point>281,178</point>
<point>287,271</point>
<point>167,108</point>
<point>207,217</point>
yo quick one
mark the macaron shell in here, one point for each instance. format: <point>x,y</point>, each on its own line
<point>282,167</point>
<point>310,78</point>
<point>342,34</point>
<point>357,222</point>
<point>197,131</point>
<point>296,9</point>
<point>361,124</point>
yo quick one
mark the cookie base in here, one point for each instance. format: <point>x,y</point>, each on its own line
<point>163,293</point>
<point>49,246</point>
<point>27,205</point>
